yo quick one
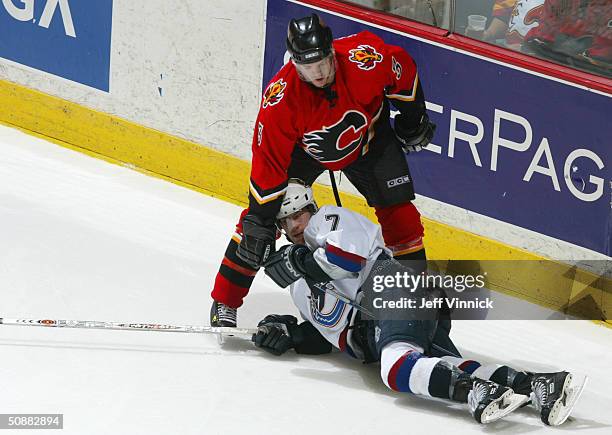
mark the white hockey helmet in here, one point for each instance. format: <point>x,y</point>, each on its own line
<point>297,197</point>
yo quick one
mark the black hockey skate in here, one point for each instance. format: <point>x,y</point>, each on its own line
<point>489,401</point>
<point>222,315</point>
<point>555,394</point>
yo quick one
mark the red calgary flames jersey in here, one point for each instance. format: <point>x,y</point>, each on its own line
<point>334,127</point>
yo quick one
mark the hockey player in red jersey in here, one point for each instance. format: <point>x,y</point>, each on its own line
<point>329,269</point>
<point>328,108</point>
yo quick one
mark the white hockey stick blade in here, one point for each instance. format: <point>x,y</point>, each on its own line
<point>503,406</point>
<point>572,390</point>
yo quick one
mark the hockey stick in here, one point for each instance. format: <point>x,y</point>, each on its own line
<point>119,326</point>
<point>332,180</point>
<point>348,301</point>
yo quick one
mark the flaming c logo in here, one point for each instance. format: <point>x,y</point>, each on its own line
<point>274,93</point>
<point>337,142</point>
<point>365,57</point>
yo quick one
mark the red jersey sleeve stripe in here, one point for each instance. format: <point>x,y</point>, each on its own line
<point>345,260</point>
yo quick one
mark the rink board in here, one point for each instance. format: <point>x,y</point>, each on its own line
<point>71,40</point>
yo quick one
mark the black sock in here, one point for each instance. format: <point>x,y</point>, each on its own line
<point>520,382</point>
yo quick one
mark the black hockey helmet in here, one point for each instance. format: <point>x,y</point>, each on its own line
<point>309,39</point>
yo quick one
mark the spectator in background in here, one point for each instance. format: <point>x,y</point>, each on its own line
<point>600,51</point>
<point>576,32</point>
<point>511,20</point>
<point>572,32</point>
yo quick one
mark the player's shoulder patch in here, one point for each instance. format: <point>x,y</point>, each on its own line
<point>364,49</point>
<point>274,93</point>
<point>284,86</point>
<point>365,56</point>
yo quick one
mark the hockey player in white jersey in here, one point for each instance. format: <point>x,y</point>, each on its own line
<point>333,252</point>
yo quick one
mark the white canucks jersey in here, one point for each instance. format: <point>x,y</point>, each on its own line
<point>345,245</point>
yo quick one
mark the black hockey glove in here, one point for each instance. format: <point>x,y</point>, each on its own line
<point>258,240</point>
<point>284,265</point>
<point>414,139</point>
<point>274,333</point>
<point>292,262</point>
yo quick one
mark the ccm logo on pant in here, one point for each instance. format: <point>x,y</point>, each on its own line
<point>397,181</point>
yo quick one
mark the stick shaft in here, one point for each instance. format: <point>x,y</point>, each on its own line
<point>332,180</point>
<point>348,301</point>
<point>121,326</point>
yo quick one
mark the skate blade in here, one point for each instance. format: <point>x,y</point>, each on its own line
<point>503,406</point>
<point>220,338</point>
<point>572,390</point>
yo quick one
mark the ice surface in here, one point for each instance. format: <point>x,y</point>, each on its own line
<point>84,239</point>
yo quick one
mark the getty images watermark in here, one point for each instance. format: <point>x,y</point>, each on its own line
<point>407,281</point>
<point>487,289</point>
<point>401,291</point>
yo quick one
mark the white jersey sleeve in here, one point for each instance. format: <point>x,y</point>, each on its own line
<point>342,241</point>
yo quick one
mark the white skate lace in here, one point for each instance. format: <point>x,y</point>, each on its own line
<point>227,314</point>
<point>539,395</point>
<point>478,393</point>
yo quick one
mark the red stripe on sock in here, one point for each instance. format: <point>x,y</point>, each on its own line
<point>392,377</point>
<point>240,269</point>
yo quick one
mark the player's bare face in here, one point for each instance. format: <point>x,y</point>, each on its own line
<point>319,74</point>
<point>295,224</point>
